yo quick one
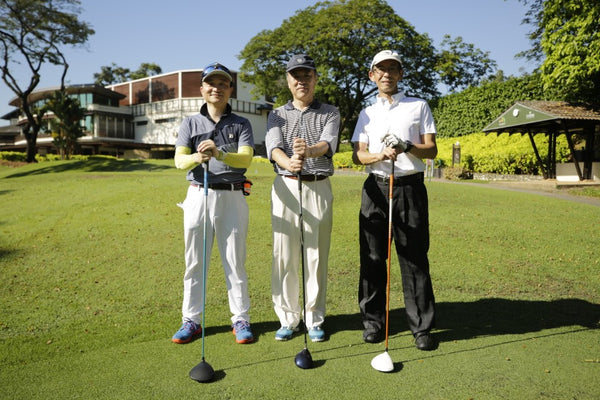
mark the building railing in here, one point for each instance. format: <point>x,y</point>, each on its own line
<point>190,106</point>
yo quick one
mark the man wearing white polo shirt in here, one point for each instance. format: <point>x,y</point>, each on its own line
<point>395,129</point>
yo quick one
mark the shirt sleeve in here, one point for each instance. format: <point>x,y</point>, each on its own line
<point>428,124</point>
<point>360,135</point>
<point>274,136</point>
<point>331,131</point>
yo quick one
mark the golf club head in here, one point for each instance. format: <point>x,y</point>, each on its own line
<point>383,362</point>
<point>202,372</point>
<point>304,359</point>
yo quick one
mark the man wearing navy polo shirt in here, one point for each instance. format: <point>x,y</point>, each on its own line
<point>224,141</point>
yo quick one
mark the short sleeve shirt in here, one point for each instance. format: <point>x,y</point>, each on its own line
<point>319,122</point>
<point>406,117</point>
<point>231,132</point>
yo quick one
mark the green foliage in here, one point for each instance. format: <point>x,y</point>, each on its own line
<point>344,160</point>
<point>457,173</point>
<point>501,154</point>
<point>13,156</point>
<point>66,125</point>
<point>571,44</point>
<point>339,35</point>
<point>116,74</point>
<point>565,40</point>
<point>32,33</point>
<point>481,153</point>
<point>343,36</point>
<point>461,64</point>
<point>344,146</point>
<point>471,110</point>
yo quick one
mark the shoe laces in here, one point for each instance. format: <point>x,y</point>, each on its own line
<point>241,325</point>
<point>189,326</point>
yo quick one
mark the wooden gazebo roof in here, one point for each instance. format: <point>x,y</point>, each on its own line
<point>543,117</point>
<point>552,118</point>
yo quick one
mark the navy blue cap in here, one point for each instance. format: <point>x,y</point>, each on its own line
<point>300,61</point>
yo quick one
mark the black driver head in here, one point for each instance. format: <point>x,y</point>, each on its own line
<point>304,359</point>
<point>202,372</point>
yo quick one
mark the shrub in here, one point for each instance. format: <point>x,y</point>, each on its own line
<point>13,156</point>
<point>457,173</point>
<point>501,154</point>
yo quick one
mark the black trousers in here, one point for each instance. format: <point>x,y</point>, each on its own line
<point>410,231</point>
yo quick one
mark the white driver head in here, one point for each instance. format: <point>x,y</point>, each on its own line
<point>383,363</point>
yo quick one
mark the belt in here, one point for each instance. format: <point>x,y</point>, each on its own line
<point>307,178</point>
<point>400,180</point>
<point>222,186</point>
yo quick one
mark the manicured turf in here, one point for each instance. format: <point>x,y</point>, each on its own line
<point>91,267</point>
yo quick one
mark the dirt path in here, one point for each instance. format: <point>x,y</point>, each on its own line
<point>540,187</point>
<point>543,188</point>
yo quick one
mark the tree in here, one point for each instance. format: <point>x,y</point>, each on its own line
<point>470,110</point>
<point>66,126</point>
<point>461,65</point>
<point>109,75</point>
<point>566,40</point>
<point>145,70</point>
<point>342,36</point>
<point>32,33</point>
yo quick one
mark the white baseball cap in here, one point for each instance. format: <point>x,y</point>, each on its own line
<point>386,55</point>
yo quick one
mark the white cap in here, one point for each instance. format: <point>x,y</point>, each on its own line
<point>386,55</point>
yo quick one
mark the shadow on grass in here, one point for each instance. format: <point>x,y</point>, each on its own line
<point>465,320</point>
<point>93,165</point>
<point>456,321</point>
<point>496,316</point>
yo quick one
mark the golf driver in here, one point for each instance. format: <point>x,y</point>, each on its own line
<point>203,372</point>
<point>303,358</point>
<point>383,362</point>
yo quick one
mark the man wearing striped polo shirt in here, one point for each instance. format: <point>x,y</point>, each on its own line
<point>301,140</point>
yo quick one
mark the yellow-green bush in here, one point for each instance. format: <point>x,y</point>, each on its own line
<point>501,154</point>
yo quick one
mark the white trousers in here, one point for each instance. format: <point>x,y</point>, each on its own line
<point>317,200</point>
<point>227,220</point>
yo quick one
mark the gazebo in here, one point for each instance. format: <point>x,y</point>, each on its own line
<point>554,118</point>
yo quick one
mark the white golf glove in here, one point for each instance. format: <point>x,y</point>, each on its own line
<point>390,140</point>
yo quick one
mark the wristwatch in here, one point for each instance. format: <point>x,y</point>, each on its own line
<point>409,146</point>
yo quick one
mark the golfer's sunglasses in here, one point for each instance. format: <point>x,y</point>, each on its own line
<point>215,67</point>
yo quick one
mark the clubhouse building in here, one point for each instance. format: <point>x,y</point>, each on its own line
<point>136,119</point>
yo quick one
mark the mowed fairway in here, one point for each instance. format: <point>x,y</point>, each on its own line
<point>91,268</point>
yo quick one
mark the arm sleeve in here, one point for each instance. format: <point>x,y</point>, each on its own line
<point>241,159</point>
<point>184,158</point>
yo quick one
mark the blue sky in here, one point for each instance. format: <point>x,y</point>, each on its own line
<point>187,34</point>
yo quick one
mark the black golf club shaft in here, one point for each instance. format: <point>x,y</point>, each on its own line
<point>301,222</point>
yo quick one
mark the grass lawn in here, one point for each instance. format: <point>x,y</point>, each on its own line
<point>91,265</point>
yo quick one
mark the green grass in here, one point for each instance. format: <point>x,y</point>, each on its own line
<point>91,267</point>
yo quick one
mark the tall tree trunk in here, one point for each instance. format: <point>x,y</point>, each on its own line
<point>31,138</point>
